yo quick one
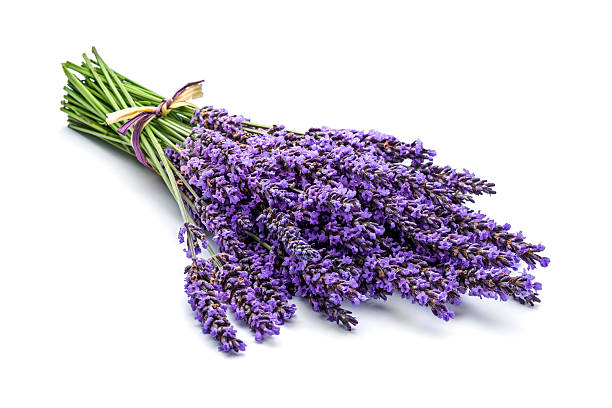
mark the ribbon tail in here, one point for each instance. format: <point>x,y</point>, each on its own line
<point>138,123</point>
<point>136,140</point>
<point>123,129</point>
<point>180,91</point>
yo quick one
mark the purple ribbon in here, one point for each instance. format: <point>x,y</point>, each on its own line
<point>139,121</point>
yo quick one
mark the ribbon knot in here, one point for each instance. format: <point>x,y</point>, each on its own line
<point>163,108</point>
<point>139,116</point>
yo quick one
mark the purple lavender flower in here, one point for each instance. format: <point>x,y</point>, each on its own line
<point>338,216</point>
<point>210,311</point>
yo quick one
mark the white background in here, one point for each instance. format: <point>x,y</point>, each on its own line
<point>92,309</point>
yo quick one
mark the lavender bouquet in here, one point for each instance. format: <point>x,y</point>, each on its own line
<point>329,215</point>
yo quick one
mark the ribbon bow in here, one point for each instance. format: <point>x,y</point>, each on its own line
<point>139,116</point>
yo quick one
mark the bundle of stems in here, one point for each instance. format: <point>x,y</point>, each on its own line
<point>95,90</point>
